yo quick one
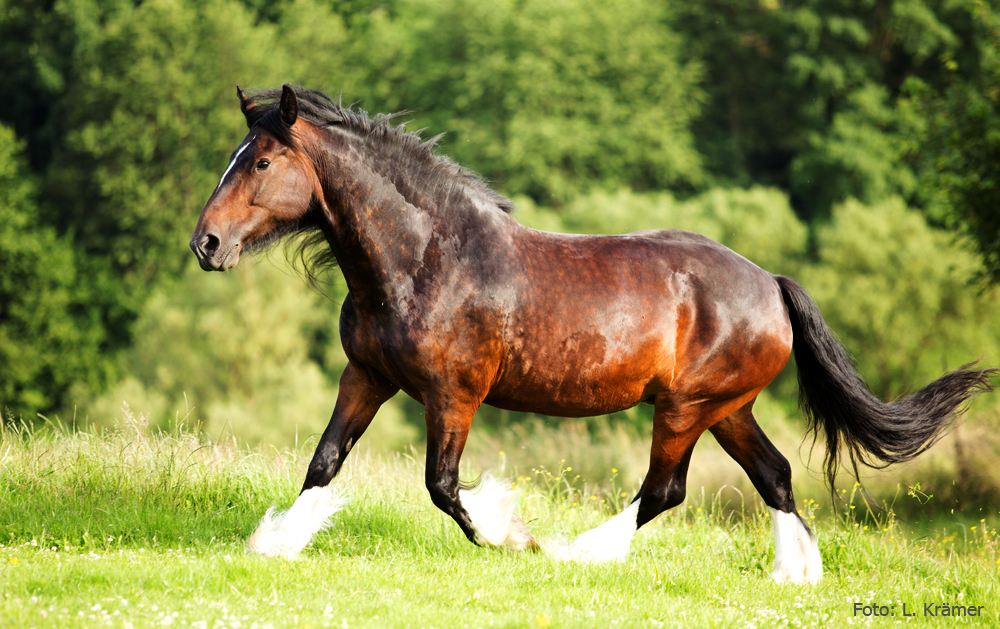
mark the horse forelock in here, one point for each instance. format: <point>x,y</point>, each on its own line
<point>270,120</point>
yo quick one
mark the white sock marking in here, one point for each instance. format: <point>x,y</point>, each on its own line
<point>796,554</point>
<point>239,151</point>
<point>285,534</point>
<point>490,504</point>
<point>608,542</point>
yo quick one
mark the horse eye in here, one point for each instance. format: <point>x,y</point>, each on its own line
<point>263,164</point>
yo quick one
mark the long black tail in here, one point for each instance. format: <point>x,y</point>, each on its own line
<point>835,398</point>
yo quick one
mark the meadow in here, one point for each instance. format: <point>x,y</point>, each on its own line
<point>133,527</point>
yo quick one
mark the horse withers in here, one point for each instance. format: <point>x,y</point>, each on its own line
<point>454,302</point>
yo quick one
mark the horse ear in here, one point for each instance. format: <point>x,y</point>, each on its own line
<point>245,103</point>
<point>289,107</point>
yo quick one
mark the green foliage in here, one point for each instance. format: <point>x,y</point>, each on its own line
<point>957,155</point>
<point>129,123</point>
<point>545,98</point>
<point>858,155</point>
<point>804,95</point>
<point>47,342</point>
<point>256,324</point>
<point>896,291</point>
<point>143,133</point>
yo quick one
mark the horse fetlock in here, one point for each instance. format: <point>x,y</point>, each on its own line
<point>608,542</point>
<point>796,554</point>
<point>286,533</point>
<point>490,505</point>
<point>325,465</point>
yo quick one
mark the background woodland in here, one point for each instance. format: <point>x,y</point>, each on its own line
<point>851,144</point>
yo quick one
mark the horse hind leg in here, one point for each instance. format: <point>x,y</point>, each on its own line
<point>611,541</point>
<point>796,554</point>
<point>663,488</point>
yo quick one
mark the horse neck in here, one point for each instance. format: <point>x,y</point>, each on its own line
<point>383,211</point>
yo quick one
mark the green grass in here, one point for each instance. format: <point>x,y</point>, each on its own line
<point>123,529</point>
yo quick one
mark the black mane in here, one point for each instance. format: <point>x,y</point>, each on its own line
<point>323,111</point>
<point>312,249</point>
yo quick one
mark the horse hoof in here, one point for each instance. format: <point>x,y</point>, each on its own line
<point>797,577</point>
<point>519,537</point>
<point>796,554</point>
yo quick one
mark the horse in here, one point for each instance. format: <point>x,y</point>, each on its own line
<point>454,302</point>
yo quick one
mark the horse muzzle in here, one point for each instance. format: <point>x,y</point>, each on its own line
<point>213,254</point>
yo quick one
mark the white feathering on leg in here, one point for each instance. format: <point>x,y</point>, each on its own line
<point>796,554</point>
<point>608,542</point>
<point>286,533</point>
<point>490,505</point>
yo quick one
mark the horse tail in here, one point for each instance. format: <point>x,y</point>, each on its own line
<point>835,398</point>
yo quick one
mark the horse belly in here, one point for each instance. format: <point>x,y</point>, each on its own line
<point>583,374</point>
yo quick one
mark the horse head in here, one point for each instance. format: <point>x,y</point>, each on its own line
<point>266,191</point>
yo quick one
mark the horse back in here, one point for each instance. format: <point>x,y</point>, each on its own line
<point>603,322</point>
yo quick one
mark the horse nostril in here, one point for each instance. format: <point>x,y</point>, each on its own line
<point>210,244</point>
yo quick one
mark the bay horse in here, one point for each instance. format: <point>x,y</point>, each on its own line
<point>456,303</point>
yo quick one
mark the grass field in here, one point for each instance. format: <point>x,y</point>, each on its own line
<point>124,529</point>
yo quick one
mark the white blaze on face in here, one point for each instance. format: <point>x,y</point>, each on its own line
<point>239,151</point>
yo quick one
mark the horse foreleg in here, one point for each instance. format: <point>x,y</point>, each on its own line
<point>286,533</point>
<point>796,554</point>
<point>485,511</point>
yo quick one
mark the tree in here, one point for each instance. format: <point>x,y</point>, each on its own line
<point>897,293</point>
<point>805,95</point>
<point>129,114</point>
<point>258,357</point>
<point>546,99</point>
<point>958,153</point>
<point>47,340</point>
